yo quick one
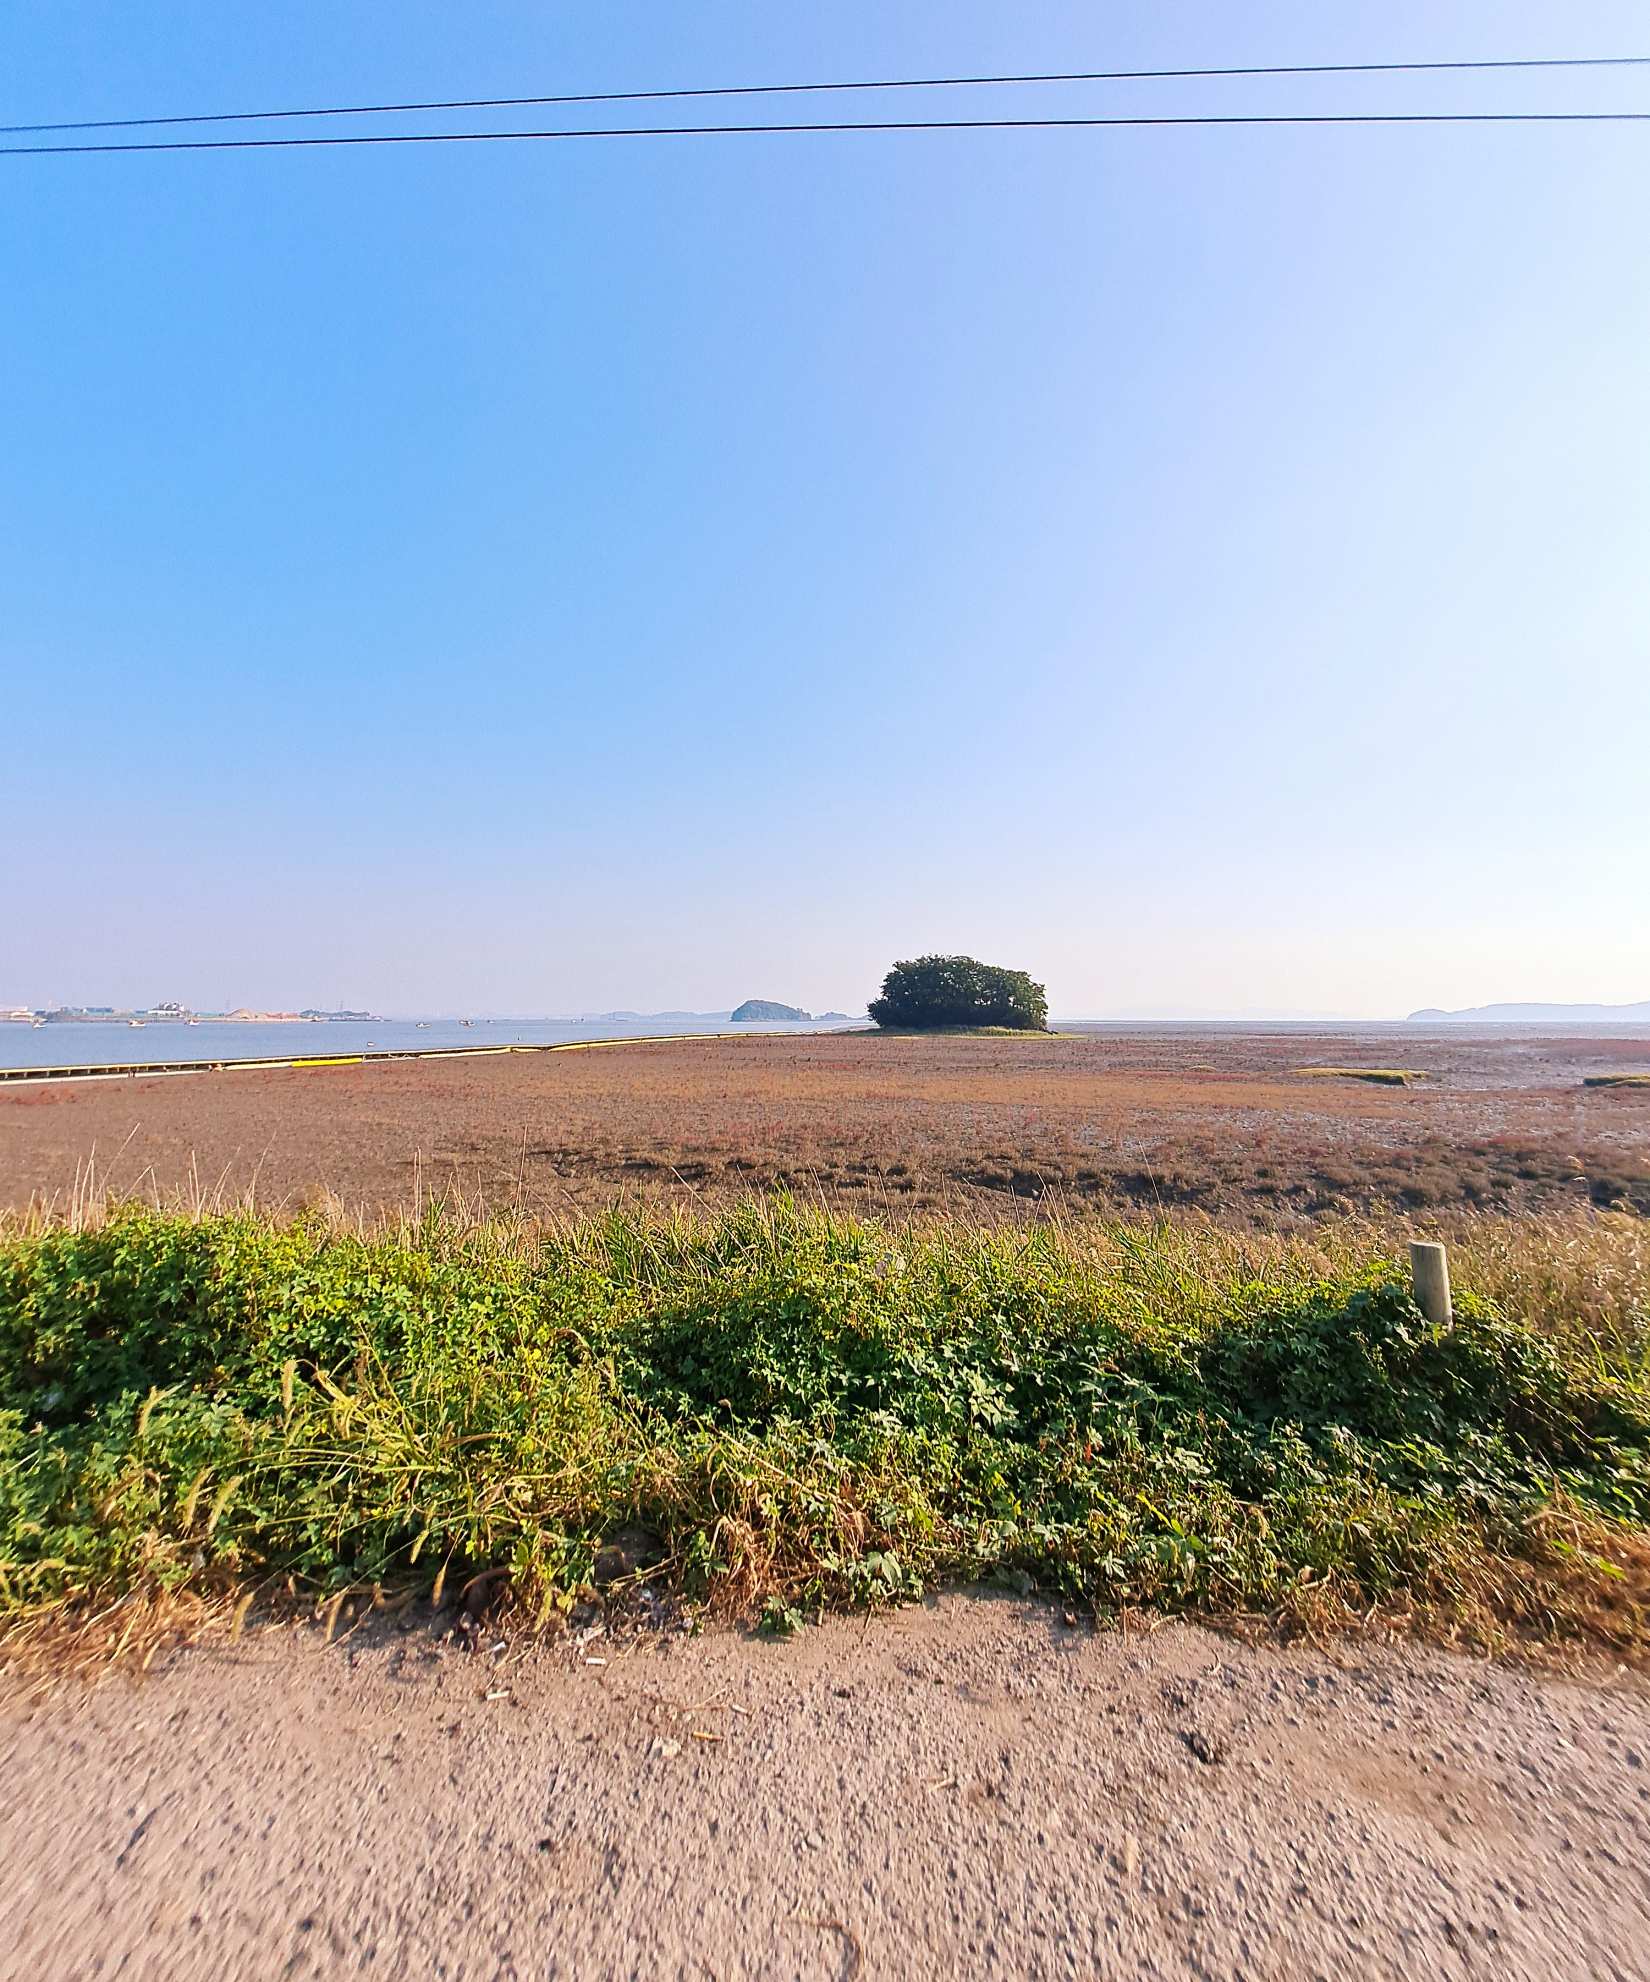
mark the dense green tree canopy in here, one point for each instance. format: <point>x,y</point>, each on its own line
<point>932,992</point>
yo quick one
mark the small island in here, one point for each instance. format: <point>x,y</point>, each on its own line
<point>958,994</point>
<point>763,1011</point>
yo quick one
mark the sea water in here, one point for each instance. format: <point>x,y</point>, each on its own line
<point>116,1044</point>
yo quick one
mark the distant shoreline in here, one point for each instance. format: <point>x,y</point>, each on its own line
<point>67,1015</point>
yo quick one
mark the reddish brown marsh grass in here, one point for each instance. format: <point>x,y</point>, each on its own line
<point>985,1128</point>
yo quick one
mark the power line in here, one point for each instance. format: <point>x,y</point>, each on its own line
<point>801,89</point>
<point>786,130</point>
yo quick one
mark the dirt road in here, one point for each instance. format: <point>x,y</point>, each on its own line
<point>968,1789</point>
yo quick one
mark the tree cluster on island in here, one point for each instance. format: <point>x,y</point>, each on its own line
<point>937,994</point>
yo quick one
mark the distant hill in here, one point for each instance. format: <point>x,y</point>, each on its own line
<point>765,1011</point>
<point>646,1018</point>
<point>1536,1015</point>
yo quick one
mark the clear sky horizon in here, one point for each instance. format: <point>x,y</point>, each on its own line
<point>1205,568</point>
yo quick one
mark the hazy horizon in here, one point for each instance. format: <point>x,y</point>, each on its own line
<point>1204,568</point>
<point>848,1009</point>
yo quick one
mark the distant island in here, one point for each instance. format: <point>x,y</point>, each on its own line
<point>1535,1015</point>
<point>758,1011</point>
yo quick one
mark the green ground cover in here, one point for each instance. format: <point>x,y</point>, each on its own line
<point>807,1411</point>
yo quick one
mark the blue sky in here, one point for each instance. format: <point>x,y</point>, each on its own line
<point>1205,567</point>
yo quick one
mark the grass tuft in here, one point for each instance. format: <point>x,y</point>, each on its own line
<point>1382,1076</point>
<point>801,1410</point>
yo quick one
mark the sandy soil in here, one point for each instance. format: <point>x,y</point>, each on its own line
<point>970,1789</point>
<point>986,1127</point>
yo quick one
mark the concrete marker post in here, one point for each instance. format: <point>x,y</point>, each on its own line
<point>1429,1264</point>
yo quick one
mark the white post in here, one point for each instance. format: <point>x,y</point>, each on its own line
<point>1430,1266</point>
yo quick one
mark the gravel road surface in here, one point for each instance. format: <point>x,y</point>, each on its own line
<point>969,1788</point>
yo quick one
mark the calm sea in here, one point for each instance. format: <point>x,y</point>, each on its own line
<point>121,1045</point>
<point>117,1045</point>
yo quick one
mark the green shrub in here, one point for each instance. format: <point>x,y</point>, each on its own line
<point>804,1411</point>
<point>934,993</point>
